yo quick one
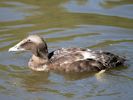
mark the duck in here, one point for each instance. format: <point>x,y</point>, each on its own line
<point>66,59</point>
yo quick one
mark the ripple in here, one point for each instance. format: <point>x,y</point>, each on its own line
<point>109,42</point>
<point>18,11</point>
<point>94,6</point>
<point>47,30</point>
<point>87,34</point>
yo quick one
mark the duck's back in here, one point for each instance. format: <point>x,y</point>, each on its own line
<point>79,60</point>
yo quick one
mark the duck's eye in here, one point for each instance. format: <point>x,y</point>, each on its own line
<point>29,40</point>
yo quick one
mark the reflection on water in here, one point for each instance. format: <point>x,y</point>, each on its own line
<point>95,24</point>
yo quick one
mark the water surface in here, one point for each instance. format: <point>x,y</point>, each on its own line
<point>95,24</point>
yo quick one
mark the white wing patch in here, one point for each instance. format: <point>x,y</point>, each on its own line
<point>88,49</point>
<point>73,54</point>
<point>88,55</point>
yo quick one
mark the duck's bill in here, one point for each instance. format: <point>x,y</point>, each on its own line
<point>17,47</point>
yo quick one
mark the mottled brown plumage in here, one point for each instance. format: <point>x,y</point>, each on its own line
<point>66,59</point>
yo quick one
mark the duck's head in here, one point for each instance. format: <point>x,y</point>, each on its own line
<point>33,43</point>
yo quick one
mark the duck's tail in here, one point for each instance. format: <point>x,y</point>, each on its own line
<point>110,60</point>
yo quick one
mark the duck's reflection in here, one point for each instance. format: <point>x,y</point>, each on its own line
<point>74,76</point>
<point>35,81</point>
<point>42,81</point>
<point>52,82</point>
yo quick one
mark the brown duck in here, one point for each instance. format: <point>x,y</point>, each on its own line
<point>66,59</point>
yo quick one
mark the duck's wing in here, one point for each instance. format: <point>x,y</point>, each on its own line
<point>73,59</point>
<point>79,60</point>
<point>72,53</point>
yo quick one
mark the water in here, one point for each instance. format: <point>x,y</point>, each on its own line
<point>96,24</point>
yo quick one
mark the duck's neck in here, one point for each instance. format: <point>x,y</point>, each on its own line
<point>39,60</point>
<point>40,51</point>
<point>38,64</point>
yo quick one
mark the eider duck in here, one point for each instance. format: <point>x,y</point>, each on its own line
<point>66,59</point>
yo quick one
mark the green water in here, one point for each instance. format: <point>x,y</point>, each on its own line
<point>96,24</point>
